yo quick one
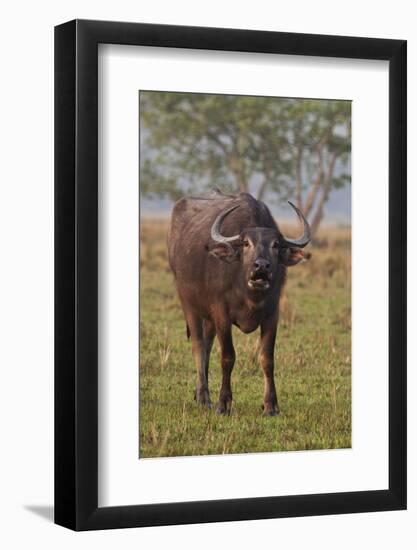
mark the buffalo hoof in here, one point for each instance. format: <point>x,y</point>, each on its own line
<point>270,413</point>
<point>206,403</point>
<point>224,409</point>
<point>270,410</point>
<point>203,399</point>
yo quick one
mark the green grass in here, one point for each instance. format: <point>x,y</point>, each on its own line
<point>313,365</point>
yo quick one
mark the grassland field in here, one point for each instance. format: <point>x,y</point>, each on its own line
<point>313,361</point>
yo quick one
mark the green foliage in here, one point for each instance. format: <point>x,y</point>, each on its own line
<point>313,364</point>
<point>272,147</point>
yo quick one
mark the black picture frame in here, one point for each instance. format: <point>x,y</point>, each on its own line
<point>76,272</point>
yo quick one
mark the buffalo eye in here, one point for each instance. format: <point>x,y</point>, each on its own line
<point>245,243</point>
<point>275,244</point>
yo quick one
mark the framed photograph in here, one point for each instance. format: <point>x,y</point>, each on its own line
<point>230,255</point>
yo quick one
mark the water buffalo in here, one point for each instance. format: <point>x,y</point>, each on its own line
<point>229,259</point>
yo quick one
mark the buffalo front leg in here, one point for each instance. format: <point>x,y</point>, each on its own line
<point>224,335</point>
<point>209,332</point>
<point>268,336</point>
<point>201,357</point>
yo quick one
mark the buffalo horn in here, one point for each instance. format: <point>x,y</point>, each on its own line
<point>304,239</point>
<point>215,228</point>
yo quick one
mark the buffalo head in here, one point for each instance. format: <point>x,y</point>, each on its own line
<point>260,250</point>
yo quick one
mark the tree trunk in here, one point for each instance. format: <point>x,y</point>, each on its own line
<point>326,188</point>
<point>262,189</point>
<point>236,168</point>
<point>318,215</point>
<point>312,195</point>
<point>264,185</point>
<point>241,183</point>
<point>298,181</point>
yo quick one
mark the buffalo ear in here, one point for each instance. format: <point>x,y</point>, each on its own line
<point>293,256</point>
<point>224,252</point>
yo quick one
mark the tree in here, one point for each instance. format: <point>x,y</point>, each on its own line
<point>276,148</point>
<point>318,135</point>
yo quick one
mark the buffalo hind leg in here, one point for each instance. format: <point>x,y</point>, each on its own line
<point>224,334</point>
<point>268,335</point>
<point>200,355</point>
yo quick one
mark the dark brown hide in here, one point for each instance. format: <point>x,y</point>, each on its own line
<point>221,284</point>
